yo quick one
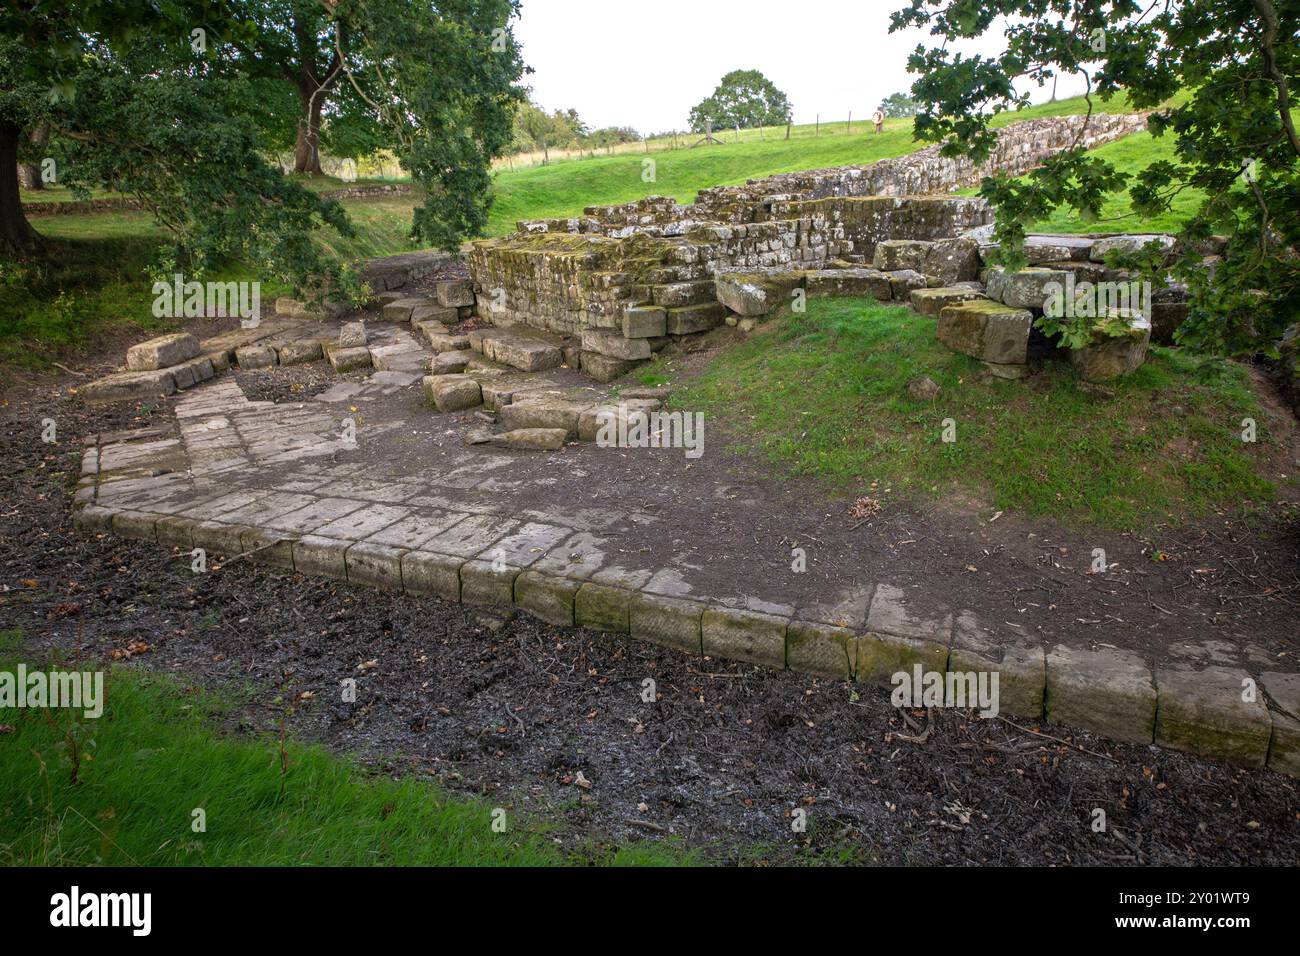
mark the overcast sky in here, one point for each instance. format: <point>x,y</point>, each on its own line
<point>645,63</point>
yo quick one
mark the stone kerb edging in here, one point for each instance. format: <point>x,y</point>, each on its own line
<point>1108,691</point>
<point>81,207</point>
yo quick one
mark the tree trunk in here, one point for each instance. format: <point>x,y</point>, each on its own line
<point>29,174</point>
<point>306,155</point>
<point>15,233</point>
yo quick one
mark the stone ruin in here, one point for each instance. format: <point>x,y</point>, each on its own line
<point>619,283</point>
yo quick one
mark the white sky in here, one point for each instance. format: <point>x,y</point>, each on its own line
<point>645,63</point>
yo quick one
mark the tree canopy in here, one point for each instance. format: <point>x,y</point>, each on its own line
<point>1218,78</point>
<point>180,105</point>
<point>744,99</point>
<point>899,106</point>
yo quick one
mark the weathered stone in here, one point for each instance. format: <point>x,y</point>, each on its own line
<point>532,439</point>
<point>255,356</point>
<point>933,301</point>
<point>129,386</point>
<point>1027,289</point>
<point>666,621</point>
<point>352,335</point>
<point>433,314</point>
<point>602,607</point>
<point>1056,249</point>
<point>453,393</point>
<point>449,363</point>
<point>552,409</point>
<point>678,294</point>
<point>522,350</point>
<point>689,319</point>
<point>378,565</point>
<point>1283,690</point>
<point>605,368</point>
<point>893,255</point>
<point>1111,357</point>
<point>1109,692</point>
<point>740,635</point>
<point>1204,712</point>
<point>296,353</point>
<point>644,322</point>
<point>349,360</point>
<point>403,310</point>
<point>757,293</point>
<point>815,648</point>
<point>850,282</point>
<point>615,346</point>
<point>316,555</point>
<point>454,293</point>
<point>923,389</point>
<point>904,282</point>
<point>487,582</point>
<point>881,656</point>
<point>1128,244</point>
<point>546,597</point>
<point>426,573</point>
<point>986,330</point>
<point>1021,667</point>
<point>891,613</point>
<point>440,342</point>
<point>952,260</point>
<point>162,352</point>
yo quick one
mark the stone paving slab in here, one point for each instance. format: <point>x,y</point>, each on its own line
<point>437,521</point>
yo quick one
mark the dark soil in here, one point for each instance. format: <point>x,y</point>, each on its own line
<point>516,710</point>
<point>289,383</point>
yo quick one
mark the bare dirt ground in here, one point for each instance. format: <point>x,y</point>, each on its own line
<point>552,723</point>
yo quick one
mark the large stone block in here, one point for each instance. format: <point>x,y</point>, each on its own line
<point>1110,692</point>
<point>952,260</point>
<point>1284,750</point>
<point>487,582</point>
<point>693,318</point>
<point>532,439</point>
<point>850,282</point>
<point>378,565</point>
<point>454,293</point>
<point>606,368</point>
<point>602,607</point>
<point>129,386</point>
<point>667,621</point>
<point>812,647</point>
<point>162,352</point>
<point>1206,712</point>
<point>934,301</point>
<point>987,330</point>
<point>1128,244</point>
<point>616,346</point>
<point>895,254</point>
<point>757,293</point>
<point>740,635</point>
<point>453,393</point>
<point>1021,667</point>
<point>1029,288</point>
<point>1114,356</point>
<point>523,351</point>
<point>350,360</point>
<point>425,573</point>
<point>255,356</point>
<point>644,322</point>
<point>546,597</point>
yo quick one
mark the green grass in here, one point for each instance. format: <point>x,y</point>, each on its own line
<point>824,394</point>
<point>157,754</point>
<point>564,188</point>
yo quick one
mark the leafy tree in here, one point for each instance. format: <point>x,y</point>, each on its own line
<point>139,103</point>
<point>1235,64</point>
<point>899,106</point>
<point>745,99</point>
<point>534,128</point>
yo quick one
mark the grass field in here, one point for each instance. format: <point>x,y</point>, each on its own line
<point>824,394</point>
<point>121,790</point>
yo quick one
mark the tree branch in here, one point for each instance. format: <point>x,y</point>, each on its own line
<point>1271,26</point>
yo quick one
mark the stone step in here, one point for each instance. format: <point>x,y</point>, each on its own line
<point>695,318</point>
<point>934,301</point>
<point>528,351</point>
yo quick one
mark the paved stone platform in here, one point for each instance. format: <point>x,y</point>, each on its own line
<point>367,483</point>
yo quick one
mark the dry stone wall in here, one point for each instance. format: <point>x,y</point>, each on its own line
<point>585,274</point>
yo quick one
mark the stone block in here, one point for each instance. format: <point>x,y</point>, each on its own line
<point>1108,691</point>
<point>1203,712</point>
<point>644,322</point>
<point>546,597</point>
<point>522,350</point>
<point>377,565</point>
<point>162,352</point>
<point>296,353</point>
<point>453,393</point>
<point>255,356</point>
<point>666,621</point>
<point>933,301</point>
<point>1283,690</point>
<point>129,386</point>
<point>604,368</point>
<point>352,335</point>
<point>1021,667</point>
<point>893,255</point>
<point>756,293</point>
<point>740,635</point>
<point>322,557</point>
<point>689,319</point>
<point>262,546</point>
<point>881,656</point>
<point>450,363</point>
<point>904,282</point>
<point>602,607</point>
<point>952,260</point>
<point>425,573</point>
<point>986,330</point>
<point>812,647</point>
<point>350,360</point>
<point>454,293</point>
<point>615,345</point>
<point>1128,244</point>
<point>870,283</point>
<point>532,439</point>
<point>1029,288</point>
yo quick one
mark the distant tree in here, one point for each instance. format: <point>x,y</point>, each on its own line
<point>899,106</point>
<point>537,129</point>
<point>744,99</point>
